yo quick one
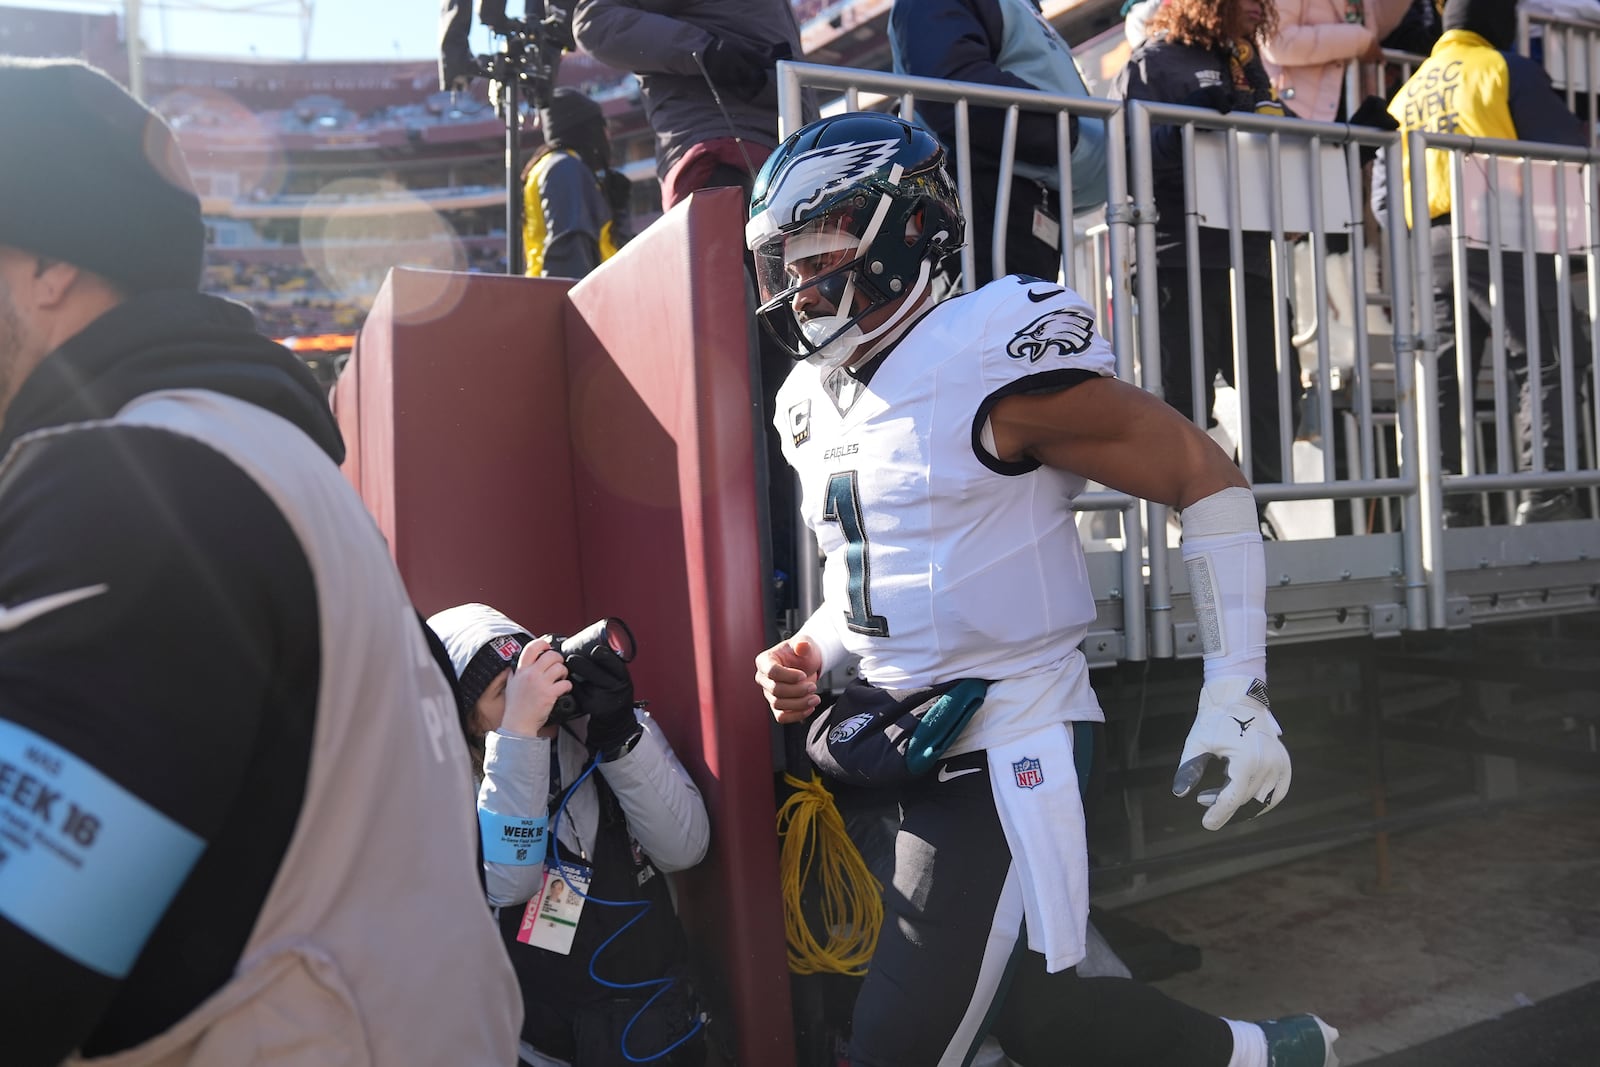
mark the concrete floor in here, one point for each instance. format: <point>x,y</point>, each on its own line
<point>1482,915</point>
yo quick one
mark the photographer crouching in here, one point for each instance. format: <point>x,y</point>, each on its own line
<point>582,807</point>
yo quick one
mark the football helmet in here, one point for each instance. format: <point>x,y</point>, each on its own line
<point>848,216</point>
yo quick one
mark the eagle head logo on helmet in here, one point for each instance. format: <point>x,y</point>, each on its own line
<point>811,177</point>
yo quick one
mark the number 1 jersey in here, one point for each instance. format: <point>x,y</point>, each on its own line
<point>942,560</point>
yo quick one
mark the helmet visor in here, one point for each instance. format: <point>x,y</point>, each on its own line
<point>788,263</point>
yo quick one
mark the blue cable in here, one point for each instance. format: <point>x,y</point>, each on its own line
<point>644,908</point>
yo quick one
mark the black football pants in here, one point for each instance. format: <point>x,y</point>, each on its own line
<point>952,963</point>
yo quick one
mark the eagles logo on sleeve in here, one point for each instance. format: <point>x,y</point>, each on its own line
<point>1062,332</point>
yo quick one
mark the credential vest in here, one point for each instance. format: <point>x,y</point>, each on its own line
<point>1463,87</point>
<point>374,946</point>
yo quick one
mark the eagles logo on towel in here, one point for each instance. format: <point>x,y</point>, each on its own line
<point>1062,332</point>
<point>848,729</point>
<point>873,736</point>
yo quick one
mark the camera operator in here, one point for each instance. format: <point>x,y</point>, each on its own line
<point>549,23</point>
<point>581,801</point>
<point>706,72</point>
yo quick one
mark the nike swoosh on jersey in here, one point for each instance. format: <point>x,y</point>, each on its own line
<point>24,613</point>
<point>945,773</point>
<point>1039,298</point>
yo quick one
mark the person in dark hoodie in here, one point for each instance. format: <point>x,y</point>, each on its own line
<point>1010,44</point>
<point>223,740</point>
<point>1475,85</point>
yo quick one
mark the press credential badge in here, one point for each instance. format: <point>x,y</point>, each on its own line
<point>550,921</point>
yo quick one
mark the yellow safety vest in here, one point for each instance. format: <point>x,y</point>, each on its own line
<point>534,231</point>
<point>1462,87</point>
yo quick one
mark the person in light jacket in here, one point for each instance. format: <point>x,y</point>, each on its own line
<point>578,810</point>
<point>1313,45</point>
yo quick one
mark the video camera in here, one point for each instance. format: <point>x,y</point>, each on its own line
<point>524,68</point>
<point>530,51</point>
<point>609,633</point>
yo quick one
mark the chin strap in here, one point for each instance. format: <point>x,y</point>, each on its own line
<point>852,344</point>
<point>892,328</point>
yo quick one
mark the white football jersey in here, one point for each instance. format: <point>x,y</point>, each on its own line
<point>944,562</point>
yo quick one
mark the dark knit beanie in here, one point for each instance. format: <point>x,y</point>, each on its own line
<point>90,176</point>
<point>1493,20</point>
<point>574,121</point>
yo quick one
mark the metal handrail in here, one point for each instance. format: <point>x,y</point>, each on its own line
<point>1129,238</point>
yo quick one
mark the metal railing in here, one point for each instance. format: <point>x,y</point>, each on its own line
<point>1362,80</point>
<point>1468,155</point>
<point>1288,181</point>
<point>1571,55</point>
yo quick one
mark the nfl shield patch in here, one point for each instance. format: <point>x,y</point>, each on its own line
<point>1029,773</point>
<point>507,648</point>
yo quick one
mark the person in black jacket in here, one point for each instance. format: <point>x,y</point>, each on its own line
<point>202,639</point>
<point>706,72</point>
<point>1005,43</point>
<point>1203,53</point>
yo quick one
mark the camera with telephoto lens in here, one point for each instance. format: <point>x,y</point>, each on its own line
<point>607,633</point>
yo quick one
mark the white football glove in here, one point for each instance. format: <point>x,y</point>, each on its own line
<point>1234,723</point>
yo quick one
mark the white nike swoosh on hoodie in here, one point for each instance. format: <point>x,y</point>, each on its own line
<point>21,614</point>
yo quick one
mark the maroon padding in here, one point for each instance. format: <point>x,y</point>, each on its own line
<point>454,412</point>
<point>664,446</point>
<point>616,479</point>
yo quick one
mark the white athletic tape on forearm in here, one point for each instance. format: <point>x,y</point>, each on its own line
<point>1226,563</point>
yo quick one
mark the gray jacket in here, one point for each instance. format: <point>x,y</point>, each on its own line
<point>663,807</point>
<point>658,40</point>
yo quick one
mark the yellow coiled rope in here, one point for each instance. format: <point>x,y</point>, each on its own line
<point>850,908</point>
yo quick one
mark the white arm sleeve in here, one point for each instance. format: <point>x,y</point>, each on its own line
<point>1227,569</point>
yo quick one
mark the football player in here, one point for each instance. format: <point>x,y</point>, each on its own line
<point>939,445</point>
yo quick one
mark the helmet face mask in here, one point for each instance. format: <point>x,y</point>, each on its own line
<point>812,287</point>
<point>849,216</point>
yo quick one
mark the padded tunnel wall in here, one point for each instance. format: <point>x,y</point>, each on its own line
<point>567,455</point>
